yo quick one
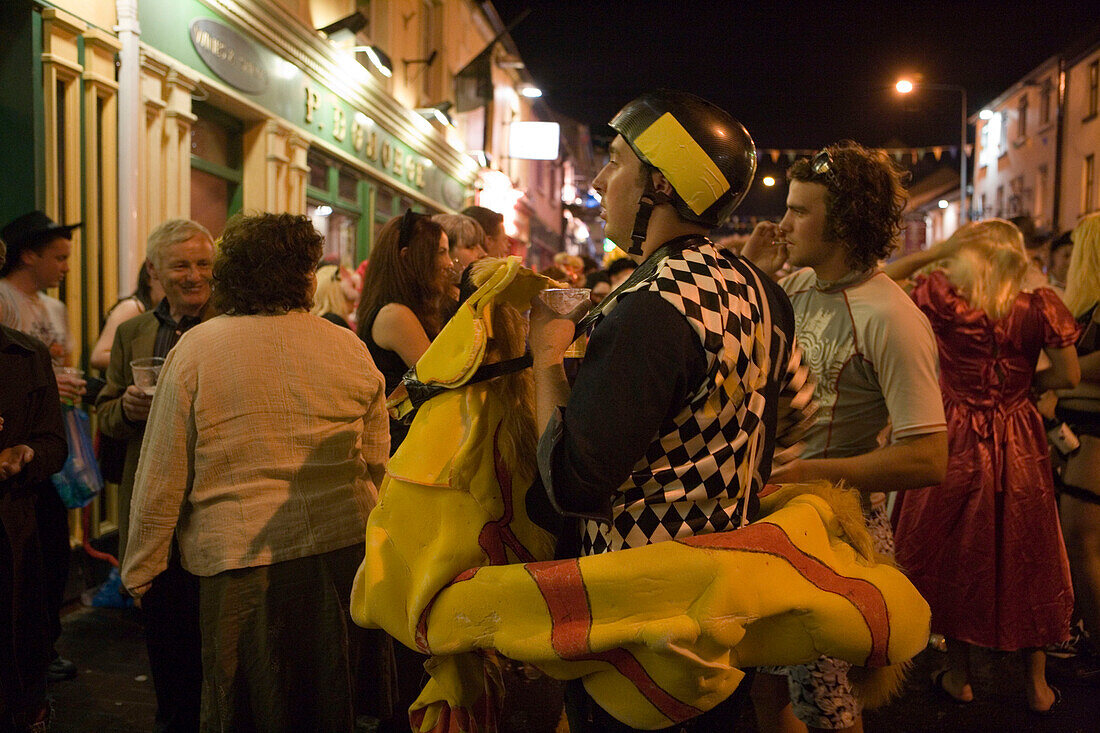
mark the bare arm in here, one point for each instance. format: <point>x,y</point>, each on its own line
<point>1090,367</point>
<point>909,463</point>
<point>398,329</point>
<point>904,267</point>
<point>101,352</point>
<point>1064,371</point>
<point>550,336</point>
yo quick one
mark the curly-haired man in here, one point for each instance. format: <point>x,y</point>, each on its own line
<point>874,357</point>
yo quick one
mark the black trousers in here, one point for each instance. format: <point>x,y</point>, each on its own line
<point>23,633</point>
<point>174,641</point>
<point>53,533</point>
<point>585,716</point>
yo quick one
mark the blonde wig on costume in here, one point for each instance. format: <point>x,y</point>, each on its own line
<point>1083,279</point>
<point>989,265</point>
<point>329,297</point>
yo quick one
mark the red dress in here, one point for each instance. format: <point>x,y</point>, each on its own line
<point>985,547</point>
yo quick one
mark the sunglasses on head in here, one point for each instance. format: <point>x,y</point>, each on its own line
<point>822,165</point>
<point>408,223</point>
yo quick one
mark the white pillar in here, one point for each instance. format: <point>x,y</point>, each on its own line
<point>130,117</point>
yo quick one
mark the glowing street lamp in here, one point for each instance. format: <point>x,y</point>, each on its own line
<point>768,181</point>
<point>905,86</point>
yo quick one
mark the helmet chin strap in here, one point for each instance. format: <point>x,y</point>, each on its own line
<point>650,198</point>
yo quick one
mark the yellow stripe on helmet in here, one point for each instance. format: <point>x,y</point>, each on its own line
<point>694,176</point>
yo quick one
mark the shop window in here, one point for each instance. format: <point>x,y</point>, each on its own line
<point>347,186</point>
<point>216,169</point>
<point>335,203</point>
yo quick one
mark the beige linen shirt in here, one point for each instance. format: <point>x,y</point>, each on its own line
<point>257,447</point>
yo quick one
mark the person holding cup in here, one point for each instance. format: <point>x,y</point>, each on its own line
<point>622,458</point>
<point>180,256</point>
<point>38,250</point>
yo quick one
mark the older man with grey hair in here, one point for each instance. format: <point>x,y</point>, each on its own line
<point>180,255</point>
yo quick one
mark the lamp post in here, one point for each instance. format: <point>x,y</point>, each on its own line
<point>904,86</point>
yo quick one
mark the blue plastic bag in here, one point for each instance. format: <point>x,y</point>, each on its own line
<point>79,480</point>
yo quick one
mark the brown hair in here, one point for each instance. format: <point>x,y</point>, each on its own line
<point>264,264</point>
<point>407,275</point>
<point>865,197</point>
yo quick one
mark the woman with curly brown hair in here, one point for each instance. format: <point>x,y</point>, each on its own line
<point>401,308</point>
<point>264,460</point>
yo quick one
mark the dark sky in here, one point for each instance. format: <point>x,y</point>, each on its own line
<point>796,75</point>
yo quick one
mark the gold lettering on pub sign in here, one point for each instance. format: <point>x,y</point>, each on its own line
<point>339,124</point>
<point>407,166</point>
<point>312,103</point>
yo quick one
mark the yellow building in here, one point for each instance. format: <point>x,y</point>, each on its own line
<point>124,113</point>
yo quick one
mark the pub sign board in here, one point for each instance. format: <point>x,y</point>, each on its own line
<point>229,55</point>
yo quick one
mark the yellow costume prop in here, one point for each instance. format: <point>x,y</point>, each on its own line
<point>454,568</point>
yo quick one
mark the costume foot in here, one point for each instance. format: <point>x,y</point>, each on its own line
<point>1053,705</point>
<point>939,686</point>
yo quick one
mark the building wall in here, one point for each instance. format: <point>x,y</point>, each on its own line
<point>1082,139</point>
<point>1016,152</point>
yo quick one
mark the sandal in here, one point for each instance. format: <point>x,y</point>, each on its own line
<point>937,684</point>
<point>1050,710</point>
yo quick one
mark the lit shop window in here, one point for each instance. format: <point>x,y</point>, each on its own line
<point>335,201</point>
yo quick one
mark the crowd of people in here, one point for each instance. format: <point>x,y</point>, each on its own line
<point>247,477</point>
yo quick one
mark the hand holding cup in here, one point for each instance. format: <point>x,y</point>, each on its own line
<point>554,315</point>
<point>70,383</point>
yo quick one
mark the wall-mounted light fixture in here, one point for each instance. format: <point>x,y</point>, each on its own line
<point>378,58</point>
<point>438,113</point>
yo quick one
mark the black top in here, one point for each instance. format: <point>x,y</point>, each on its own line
<point>647,344</point>
<point>333,318</point>
<point>169,331</point>
<point>393,367</point>
<point>31,409</point>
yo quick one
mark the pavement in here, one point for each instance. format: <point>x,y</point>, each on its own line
<point>113,692</point>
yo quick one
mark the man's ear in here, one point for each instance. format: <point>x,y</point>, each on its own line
<point>661,184</point>
<point>150,269</point>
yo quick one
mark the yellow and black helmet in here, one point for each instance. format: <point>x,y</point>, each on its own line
<point>705,154</point>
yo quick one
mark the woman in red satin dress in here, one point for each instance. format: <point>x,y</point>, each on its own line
<point>985,547</point>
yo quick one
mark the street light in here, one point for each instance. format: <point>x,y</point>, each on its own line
<point>904,86</point>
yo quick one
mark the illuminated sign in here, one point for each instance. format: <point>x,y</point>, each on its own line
<point>533,140</point>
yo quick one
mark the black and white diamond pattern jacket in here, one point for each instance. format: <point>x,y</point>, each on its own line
<point>696,473</point>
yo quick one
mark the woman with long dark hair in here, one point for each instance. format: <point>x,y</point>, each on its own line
<point>401,306</point>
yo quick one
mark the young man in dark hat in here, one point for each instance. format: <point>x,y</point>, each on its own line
<point>32,447</point>
<point>38,250</point>
<point>668,430</point>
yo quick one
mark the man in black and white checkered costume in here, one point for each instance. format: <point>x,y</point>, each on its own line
<point>670,426</point>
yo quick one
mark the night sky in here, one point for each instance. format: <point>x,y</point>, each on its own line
<point>797,75</point>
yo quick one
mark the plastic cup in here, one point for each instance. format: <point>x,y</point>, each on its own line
<point>564,301</point>
<point>70,372</point>
<point>145,371</point>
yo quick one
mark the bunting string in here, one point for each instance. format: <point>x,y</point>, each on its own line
<point>902,155</point>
